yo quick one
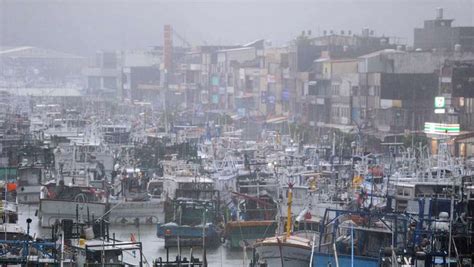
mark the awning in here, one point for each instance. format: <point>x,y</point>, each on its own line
<point>343,128</point>
<point>276,120</point>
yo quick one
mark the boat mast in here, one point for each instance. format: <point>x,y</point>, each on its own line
<point>289,202</point>
<point>204,236</point>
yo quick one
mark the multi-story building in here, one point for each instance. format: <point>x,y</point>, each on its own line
<point>226,82</point>
<point>439,34</point>
<point>104,77</point>
<point>329,63</point>
<point>141,74</point>
<point>397,90</point>
<point>275,96</point>
<point>331,92</point>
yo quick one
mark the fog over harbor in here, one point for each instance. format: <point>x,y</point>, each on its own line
<point>86,26</point>
<point>253,133</point>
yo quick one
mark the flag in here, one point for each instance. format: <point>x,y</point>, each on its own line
<point>132,237</point>
<point>11,187</point>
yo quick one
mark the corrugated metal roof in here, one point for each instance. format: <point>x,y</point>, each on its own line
<point>44,91</point>
<point>34,52</point>
<point>381,52</point>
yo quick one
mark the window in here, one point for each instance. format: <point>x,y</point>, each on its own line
<point>110,82</point>
<point>355,90</point>
<point>94,82</point>
<point>377,90</point>
<point>372,91</point>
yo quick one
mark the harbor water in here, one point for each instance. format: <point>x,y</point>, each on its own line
<point>153,247</point>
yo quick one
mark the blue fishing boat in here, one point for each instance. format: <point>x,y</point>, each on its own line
<point>191,211</point>
<point>193,224</point>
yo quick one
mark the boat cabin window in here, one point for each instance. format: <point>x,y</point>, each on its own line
<point>30,176</point>
<point>8,192</point>
<point>196,186</point>
<point>110,256</point>
<point>155,188</point>
<point>306,226</point>
<point>404,191</point>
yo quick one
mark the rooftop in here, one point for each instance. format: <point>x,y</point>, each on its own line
<point>382,52</point>
<point>34,52</point>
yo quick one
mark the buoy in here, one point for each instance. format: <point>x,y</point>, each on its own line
<point>89,233</point>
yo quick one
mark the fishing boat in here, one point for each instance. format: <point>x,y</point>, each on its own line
<point>13,231</point>
<point>29,181</point>
<point>90,243</point>
<point>253,218</point>
<point>226,177</point>
<point>8,202</point>
<point>195,225</point>
<point>9,228</point>
<point>18,248</point>
<point>362,232</point>
<point>288,249</point>
<point>283,251</point>
<point>61,201</point>
<point>133,203</point>
<point>35,162</point>
<point>191,210</point>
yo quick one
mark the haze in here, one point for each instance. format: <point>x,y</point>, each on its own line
<point>83,27</point>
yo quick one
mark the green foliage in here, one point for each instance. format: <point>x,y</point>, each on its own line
<point>225,119</point>
<point>303,40</point>
<point>414,139</point>
<point>302,132</point>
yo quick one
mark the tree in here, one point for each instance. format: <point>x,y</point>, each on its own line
<point>415,140</point>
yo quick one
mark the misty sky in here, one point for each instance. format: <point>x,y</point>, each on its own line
<point>83,27</point>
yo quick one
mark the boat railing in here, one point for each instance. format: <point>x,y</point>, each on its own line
<point>105,264</point>
<point>394,258</point>
<point>306,233</point>
<point>434,195</point>
<point>336,258</point>
<point>456,252</point>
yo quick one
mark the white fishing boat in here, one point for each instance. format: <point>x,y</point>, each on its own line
<point>288,249</point>
<point>291,251</point>
<point>78,203</point>
<point>226,177</point>
<point>134,203</point>
<point>30,179</point>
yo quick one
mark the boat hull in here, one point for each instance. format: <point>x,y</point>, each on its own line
<point>143,212</point>
<point>187,235</point>
<point>324,259</point>
<point>246,233</point>
<point>29,194</point>
<point>281,253</point>
<point>51,210</point>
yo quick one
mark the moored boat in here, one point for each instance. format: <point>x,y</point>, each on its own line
<point>79,203</point>
<point>253,219</point>
<point>288,249</point>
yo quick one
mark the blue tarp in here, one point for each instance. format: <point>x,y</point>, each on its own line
<point>323,260</point>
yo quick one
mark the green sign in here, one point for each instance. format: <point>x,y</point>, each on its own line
<point>442,128</point>
<point>440,102</point>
